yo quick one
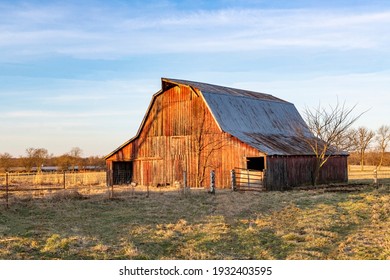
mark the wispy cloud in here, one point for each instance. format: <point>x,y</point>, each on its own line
<point>74,72</point>
<point>103,33</point>
<point>75,98</point>
<point>62,115</point>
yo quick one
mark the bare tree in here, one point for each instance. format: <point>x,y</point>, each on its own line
<point>205,143</point>
<point>76,152</point>
<point>362,139</point>
<point>75,157</point>
<point>64,162</point>
<point>383,140</point>
<point>329,126</point>
<point>5,161</point>
<point>35,158</point>
<point>345,141</point>
<point>28,160</point>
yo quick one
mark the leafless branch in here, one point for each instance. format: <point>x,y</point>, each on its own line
<point>328,126</point>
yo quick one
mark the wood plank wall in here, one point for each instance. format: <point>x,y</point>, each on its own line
<point>169,142</point>
<point>288,172</point>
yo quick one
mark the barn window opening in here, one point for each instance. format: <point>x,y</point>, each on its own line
<point>122,172</point>
<point>255,163</point>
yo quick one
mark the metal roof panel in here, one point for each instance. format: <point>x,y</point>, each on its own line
<point>215,89</point>
<point>263,121</point>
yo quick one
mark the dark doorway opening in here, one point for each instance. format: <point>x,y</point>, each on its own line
<point>122,172</point>
<point>255,163</point>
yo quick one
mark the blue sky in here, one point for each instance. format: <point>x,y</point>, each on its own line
<point>82,74</point>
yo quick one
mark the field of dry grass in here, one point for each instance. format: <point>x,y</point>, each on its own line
<point>168,224</point>
<point>39,180</point>
<point>36,185</point>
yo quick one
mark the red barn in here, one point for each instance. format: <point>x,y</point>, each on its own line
<point>196,127</point>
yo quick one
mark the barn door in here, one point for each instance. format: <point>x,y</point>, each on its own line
<point>178,154</point>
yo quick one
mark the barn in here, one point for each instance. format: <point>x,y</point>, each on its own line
<point>191,128</point>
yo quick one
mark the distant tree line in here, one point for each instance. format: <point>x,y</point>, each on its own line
<point>365,146</point>
<point>369,147</point>
<point>35,159</point>
<point>371,158</point>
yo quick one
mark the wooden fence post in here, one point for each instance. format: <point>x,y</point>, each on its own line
<point>64,179</point>
<point>233,180</point>
<point>184,182</point>
<point>6,190</point>
<point>375,177</point>
<point>212,182</point>
<point>109,183</point>
<point>249,181</point>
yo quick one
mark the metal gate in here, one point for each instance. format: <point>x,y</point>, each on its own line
<point>248,180</point>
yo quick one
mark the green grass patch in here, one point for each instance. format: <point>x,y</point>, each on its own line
<point>169,225</point>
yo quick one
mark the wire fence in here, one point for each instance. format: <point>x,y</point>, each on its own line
<point>14,186</point>
<point>369,175</point>
<point>17,186</point>
<point>121,184</point>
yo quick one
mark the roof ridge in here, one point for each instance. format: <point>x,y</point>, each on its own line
<point>218,89</point>
<point>251,97</point>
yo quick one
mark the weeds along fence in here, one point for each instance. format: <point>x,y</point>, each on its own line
<point>236,180</point>
<point>122,185</point>
<point>24,185</point>
<point>14,186</point>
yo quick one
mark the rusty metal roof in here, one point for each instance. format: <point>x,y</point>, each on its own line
<point>204,87</point>
<point>265,122</point>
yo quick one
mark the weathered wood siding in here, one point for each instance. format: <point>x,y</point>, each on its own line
<point>291,171</point>
<point>177,122</point>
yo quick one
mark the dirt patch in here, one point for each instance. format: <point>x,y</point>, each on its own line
<point>335,188</point>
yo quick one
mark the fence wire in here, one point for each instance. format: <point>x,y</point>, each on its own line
<point>18,185</point>
<point>15,186</point>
